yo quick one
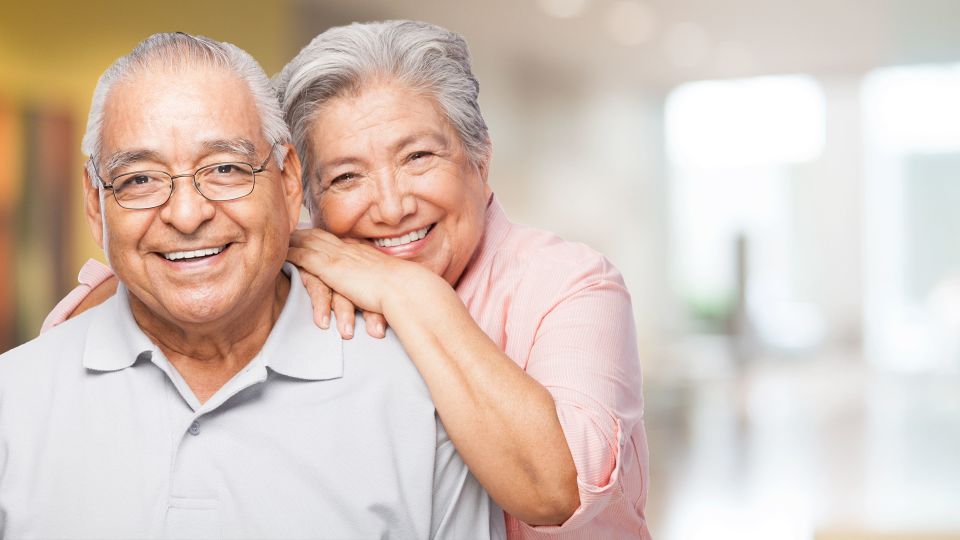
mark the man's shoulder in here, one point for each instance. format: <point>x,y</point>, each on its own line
<point>380,357</point>
<point>60,348</point>
<point>297,347</point>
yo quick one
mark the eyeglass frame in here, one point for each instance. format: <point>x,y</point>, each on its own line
<point>254,171</point>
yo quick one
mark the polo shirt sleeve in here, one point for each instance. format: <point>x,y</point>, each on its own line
<point>92,274</point>
<point>584,353</point>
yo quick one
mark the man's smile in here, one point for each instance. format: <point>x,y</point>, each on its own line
<point>194,253</point>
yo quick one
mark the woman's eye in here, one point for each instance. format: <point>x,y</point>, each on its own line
<point>345,177</point>
<point>419,155</point>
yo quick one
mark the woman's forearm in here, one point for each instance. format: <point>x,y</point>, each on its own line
<point>97,296</point>
<point>503,422</point>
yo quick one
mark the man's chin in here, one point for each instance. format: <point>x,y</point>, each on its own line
<point>189,308</point>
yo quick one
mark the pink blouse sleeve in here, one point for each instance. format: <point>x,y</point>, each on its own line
<point>585,355</point>
<point>92,273</point>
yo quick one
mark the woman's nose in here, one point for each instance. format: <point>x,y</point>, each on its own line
<point>394,201</point>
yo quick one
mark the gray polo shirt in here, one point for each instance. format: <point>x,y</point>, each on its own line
<point>100,437</point>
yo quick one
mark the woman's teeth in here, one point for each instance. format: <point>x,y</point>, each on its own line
<point>401,240</point>
<point>177,255</point>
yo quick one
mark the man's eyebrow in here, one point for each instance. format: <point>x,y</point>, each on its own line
<point>239,146</point>
<point>125,158</point>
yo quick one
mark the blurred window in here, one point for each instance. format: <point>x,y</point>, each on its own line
<point>911,120</point>
<point>734,147</point>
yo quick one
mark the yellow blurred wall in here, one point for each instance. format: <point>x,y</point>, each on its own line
<point>51,54</point>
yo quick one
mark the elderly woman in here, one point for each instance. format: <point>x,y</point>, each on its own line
<point>525,341</point>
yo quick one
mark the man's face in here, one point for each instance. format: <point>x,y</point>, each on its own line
<point>177,122</point>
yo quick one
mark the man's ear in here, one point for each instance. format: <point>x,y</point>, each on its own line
<point>292,186</point>
<point>91,203</point>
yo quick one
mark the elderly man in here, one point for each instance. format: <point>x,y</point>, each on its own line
<point>201,400</point>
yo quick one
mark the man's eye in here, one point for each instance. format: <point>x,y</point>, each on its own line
<point>226,168</point>
<point>138,180</point>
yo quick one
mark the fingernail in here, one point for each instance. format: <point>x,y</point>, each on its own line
<point>348,329</point>
<point>325,322</point>
<point>380,329</point>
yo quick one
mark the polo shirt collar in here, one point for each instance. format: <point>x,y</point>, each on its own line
<point>116,342</point>
<point>297,347</point>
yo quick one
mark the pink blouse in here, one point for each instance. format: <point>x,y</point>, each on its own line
<point>562,313</point>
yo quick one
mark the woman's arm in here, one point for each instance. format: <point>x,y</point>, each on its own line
<point>584,351</point>
<point>96,283</point>
<point>521,458</point>
<point>97,296</point>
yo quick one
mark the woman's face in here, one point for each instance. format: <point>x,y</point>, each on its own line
<point>389,170</point>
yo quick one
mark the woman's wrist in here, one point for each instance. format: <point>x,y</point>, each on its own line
<point>414,294</point>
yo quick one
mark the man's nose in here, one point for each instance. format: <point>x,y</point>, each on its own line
<point>394,201</point>
<point>187,209</point>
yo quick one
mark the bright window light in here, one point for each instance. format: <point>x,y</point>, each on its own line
<point>911,118</point>
<point>914,108</point>
<point>765,120</point>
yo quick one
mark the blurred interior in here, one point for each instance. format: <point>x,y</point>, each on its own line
<point>776,180</point>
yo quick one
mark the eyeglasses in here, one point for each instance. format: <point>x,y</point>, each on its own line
<point>227,181</point>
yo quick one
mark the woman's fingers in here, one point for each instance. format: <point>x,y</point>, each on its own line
<point>321,297</point>
<point>346,316</point>
<point>376,324</point>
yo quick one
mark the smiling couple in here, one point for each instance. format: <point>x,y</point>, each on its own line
<point>206,394</point>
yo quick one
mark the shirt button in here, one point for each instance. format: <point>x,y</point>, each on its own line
<point>194,428</point>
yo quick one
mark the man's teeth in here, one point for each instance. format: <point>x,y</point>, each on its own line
<point>401,240</point>
<point>177,255</point>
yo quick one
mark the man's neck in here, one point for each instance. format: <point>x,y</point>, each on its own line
<point>208,356</point>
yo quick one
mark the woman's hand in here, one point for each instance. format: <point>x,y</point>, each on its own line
<point>324,299</point>
<point>325,262</point>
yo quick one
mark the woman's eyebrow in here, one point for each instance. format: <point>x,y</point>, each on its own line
<point>428,136</point>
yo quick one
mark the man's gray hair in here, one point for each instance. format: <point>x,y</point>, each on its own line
<point>341,60</point>
<point>175,51</point>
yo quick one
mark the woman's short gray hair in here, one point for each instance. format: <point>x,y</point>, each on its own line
<point>174,51</point>
<point>343,59</point>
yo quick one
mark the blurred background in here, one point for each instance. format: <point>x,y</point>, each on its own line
<point>777,180</point>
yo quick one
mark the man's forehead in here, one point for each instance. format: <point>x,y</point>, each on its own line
<point>180,111</point>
